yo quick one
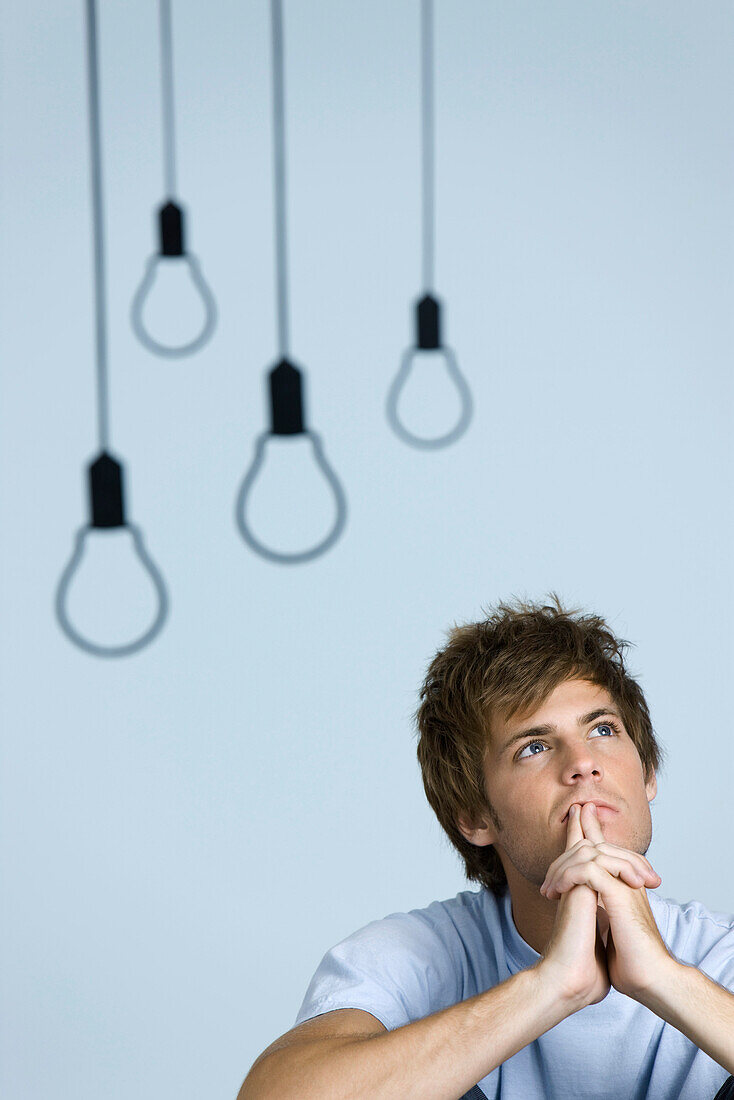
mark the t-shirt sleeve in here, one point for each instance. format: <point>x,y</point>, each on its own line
<point>718,961</point>
<point>704,938</point>
<point>399,969</point>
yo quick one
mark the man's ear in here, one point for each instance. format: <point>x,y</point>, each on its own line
<point>651,788</point>
<point>479,833</point>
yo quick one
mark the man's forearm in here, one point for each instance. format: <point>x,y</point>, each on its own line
<point>437,1057</point>
<point>697,1006</point>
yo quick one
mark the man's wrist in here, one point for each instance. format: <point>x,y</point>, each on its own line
<point>659,982</point>
<point>550,980</point>
<point>697,1005</point>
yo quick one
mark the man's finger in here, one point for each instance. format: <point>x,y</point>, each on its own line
<point>590,822</point>
<point>574,832</point>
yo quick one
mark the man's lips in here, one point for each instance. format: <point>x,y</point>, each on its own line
<point>597,802</point>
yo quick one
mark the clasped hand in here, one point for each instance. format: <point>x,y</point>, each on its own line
<point>635,951</point>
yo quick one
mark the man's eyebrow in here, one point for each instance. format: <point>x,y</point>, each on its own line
<point>549,727</point>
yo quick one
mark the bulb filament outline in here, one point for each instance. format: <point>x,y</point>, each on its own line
<point>64,584</point>
<point>138,305</point>
<point>400,380</point>
<point>241,505</point>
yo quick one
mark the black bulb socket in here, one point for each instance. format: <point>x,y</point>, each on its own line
<point>171,230</point>
<point>428,324</point>
<point>286,399</point>
<point>105,492</point>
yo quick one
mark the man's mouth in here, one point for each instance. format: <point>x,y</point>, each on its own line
<point>602,809</point>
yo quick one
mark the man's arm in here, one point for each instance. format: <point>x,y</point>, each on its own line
<point>693,1003</point>
<point>440,1056</point>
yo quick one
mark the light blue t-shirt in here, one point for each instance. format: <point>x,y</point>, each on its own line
<point>410,965</point>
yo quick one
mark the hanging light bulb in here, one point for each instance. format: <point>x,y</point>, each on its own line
<point>169,267</point>
<point>172,255</point>
<point>111,583</point>
<point>428,337</point>
<point>287,420</point>
<point>286,391</point>
<point>109,546</point>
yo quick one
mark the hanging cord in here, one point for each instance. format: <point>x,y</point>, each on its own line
<point>286,396</point>
<point>99,266</point>
<point>105,472</point>
<point>169,143</point>
<point>276,12</point>
<point>428,142</point>
<point>428,308</point>
<point>171,220</point>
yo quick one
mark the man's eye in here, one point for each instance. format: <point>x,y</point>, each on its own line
<point>610,725</point>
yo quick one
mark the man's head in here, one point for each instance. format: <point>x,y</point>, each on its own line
<point>501,801</point>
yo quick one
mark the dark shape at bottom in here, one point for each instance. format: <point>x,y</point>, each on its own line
<point>726,1092</point>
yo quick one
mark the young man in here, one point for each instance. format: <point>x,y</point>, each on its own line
<point>561,976</point>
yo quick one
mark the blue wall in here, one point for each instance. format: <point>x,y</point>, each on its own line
<point>186,831</point>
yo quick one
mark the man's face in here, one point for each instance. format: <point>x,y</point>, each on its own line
<point>531,782</point>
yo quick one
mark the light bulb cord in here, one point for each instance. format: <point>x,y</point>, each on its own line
<point>276,14</point>
<point>97,224</point>
<point>169,130</point>
<point>427,130</point>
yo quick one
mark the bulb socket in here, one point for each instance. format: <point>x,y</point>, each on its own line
<point>286,399</point>
<point>428,323</point>
<point>171,230</point>
<point>105,492</point>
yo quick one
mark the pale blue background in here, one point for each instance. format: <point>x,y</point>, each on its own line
<point>186,831</point>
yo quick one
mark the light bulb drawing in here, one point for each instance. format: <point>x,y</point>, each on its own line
<point>172,252</point>
<point>287,419</point>
<point>285,379</point>
<point>428,335</point>
<point>108,524</point>
<point>428,339</point>
<point>108,516</point>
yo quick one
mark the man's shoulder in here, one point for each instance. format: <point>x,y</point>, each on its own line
<point>695,933</point>
<point>405,965</point>
<point>692,912</point>
<point>438,918</point>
